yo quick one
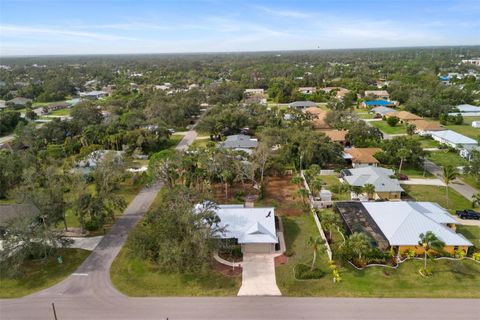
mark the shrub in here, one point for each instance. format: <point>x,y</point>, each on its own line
<point>303,272</point>
<point>289,253</point>
<point>91,225</point>
<point>393,121</point>
<point>476,256</point>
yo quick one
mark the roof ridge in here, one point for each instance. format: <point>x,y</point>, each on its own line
<point>402,222</point>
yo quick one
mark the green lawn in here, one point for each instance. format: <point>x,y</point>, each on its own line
<point>384,127</point>
<point>61,112</point>
<point>470,180</point>
<point>451,279</point>
<point>135,277</point>
<point>427,142</point>
<point>331,181</point>
<point>438,194</point>
<point>445,158</point>
<point>466,130</point>
<point>40,274</point>
<point>414,172</point>
<point>472,233</point>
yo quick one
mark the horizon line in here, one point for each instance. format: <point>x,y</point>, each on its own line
<point>234,52</point>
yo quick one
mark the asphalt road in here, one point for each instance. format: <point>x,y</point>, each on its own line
<point>88,293</point>
<point>457,184</point>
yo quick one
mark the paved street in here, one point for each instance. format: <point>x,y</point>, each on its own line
<point>458,185</point>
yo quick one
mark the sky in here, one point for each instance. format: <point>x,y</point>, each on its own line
<point>58,27</point>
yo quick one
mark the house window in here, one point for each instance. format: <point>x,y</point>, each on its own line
<point>455,248</point>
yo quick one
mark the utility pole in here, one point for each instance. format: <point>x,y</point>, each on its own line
<point>54,312</point>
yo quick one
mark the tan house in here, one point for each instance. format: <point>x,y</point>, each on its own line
<point>377,94</point>
<point>339,136</point>
<point>318,117</point>
<point>360,157</point>
<point>340,92</point>
<point>404,116</point>
<point>423,126</point>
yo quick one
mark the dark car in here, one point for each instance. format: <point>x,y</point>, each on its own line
<point>468,214</point>
<point>402,177</point>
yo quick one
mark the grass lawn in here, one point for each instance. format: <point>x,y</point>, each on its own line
<point>472,233</point>
<point>413,172</point>
<point>384,127</point>
<point>470,180</point>
<point>40,274</point>
<point>438,194</point>
<point>61,112</point>
<point>466,130</point>
<point>451,279</point>
<point>427,142</point>
<point>445,158</point>
<point>135,277</point>
<point>332,181</point>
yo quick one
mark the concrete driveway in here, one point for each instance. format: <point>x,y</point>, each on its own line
<point>86,243</point>
<point>258,275</point>
<point>425,182</point>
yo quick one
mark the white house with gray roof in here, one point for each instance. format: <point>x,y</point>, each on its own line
<point>253,228</point>
<point>239,142</point>
<point>466,110</point>
<point>453,139</point>
<point>403,222</point>
<point>386,188</point>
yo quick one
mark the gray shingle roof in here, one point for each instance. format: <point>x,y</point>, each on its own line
<point>239,141</point>
<point>379,177</point>
<point>302,104</point>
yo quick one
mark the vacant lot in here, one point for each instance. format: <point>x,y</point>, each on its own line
<point>280,193</point>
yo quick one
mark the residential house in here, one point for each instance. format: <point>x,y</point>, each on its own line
<point>340,92</point>
<point>423,127</point>
<point>248,92</point>
<point>476,124</point>
<point>453,139</point>
<point>474,61</point>
<point>307,90</point>
<point>301,105</point>
<point>386,188</point>
<point>3,105</point>
<point>404,116</point>
<point>377,94</point>
<point>19,102</point>
<point>378,103</point>
<point>253,228</point>
<point>318,117</point>
<point>361,157</point>
<point>93,95</point>
<point>239,142</point>
<point>381,111</point>
<point>466,110</point>
<point>90,162</point>
<point>339,136</point>
<point>398,225</point>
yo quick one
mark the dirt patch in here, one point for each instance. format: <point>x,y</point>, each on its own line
<point>280,193</point>
<point>226,270</point>
<point>283,195</point>
<point>281,260</point>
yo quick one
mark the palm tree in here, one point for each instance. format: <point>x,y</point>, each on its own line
<point>429,241</point>
<point>330,220</point>
<point>314,243</point>
<point>369,189</point>
<point>403,153</point>
<point>316,185</point>
<point>303,193</point>
<point>449,174</point>
<point>476,200</point>
<point>359,243</point>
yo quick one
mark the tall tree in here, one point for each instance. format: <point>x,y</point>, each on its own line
<point>449,174</point>
<point>429,241</point>
<point>315,244</point>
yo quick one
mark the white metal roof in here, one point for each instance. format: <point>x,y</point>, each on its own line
<point>467,108</point>
<point>403,222</point>
<point>247,225</point>
<point>377,176</point>
<point>452,137</point>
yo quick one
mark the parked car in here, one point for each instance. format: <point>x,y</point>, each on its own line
<point>468,214</point>
<point>402,177</point>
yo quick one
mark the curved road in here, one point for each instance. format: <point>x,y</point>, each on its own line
<point>89,294</point>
